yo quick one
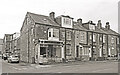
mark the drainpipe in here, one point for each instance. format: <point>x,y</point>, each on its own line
<point>102,45</point>
<point>34,43</point>
<point>92,46</point>
<point>28,46</point>
<point>65,44</point>
<point>107,45</point>
<point>87,38</point>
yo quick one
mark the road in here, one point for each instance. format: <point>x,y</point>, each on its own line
<point>76,67</point>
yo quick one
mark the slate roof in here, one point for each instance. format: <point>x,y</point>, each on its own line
<point>78,26</point>
<point>42,19</point>
<point>110,31</point>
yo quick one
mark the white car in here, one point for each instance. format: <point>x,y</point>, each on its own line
<point>13,58</point>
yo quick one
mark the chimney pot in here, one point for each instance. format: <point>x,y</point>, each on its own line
<point>107,25</point>
<point>99,24</point>
<point>52,15</point>
<point>79,21</point>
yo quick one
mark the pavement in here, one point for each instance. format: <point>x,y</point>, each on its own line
<point>71,67</point>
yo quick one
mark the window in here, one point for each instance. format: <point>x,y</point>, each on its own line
<point>117,40</point>
<point>49,34</point>
<point>68,50</point>
<point>67,21</point>
<point>94,50</point>
<point>112,40</point>
<point>68,35</point>
<point>77,35</point>
<point>90,37</point>
<point>82,37</point>
<point>100,38</point>
<point>93,37</point>
<point>63,34</point>
<point>91,27</point>
<point>56,33</point>
<point>32,31</point>
<point>104,38</point>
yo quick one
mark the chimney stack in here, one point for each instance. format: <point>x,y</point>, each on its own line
<point>52,15</point>
<point>90,21</point>
<point>79,21</point>
<point>99,24</point>
<point>107,25</point>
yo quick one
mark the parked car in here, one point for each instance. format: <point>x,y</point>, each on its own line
<point>4,56</point>
<point>13,58</point>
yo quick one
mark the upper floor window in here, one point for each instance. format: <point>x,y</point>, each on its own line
<point>53,34</point>
<point>117,40</point>
<point>92,27</point>
<point>63,34</point>
<point>90,36</point>
<point>112,40</point>
<point>104,37</point>
<point>49,34</point>
<point>56,33</point>
<point>94,37</point>
<point>68,35</point>
<point>83,36</point>
<point>67,21</point>
<point>100,38</point>
<point>32,31</point>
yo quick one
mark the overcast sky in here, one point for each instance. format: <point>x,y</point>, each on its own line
<point>12,12</point>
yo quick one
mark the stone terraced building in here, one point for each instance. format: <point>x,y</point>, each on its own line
<point>58,39</point>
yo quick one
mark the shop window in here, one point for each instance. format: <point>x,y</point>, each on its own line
<point>42,50</point>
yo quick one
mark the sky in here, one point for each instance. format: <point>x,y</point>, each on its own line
<point>12,12</point>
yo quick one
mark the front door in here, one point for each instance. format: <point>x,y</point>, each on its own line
<point>77,51</point>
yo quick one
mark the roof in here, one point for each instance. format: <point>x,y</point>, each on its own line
<point>89,23</point>
<point>67,16</point>
<point>110,31</point>
<point>78,26</point>
<point>42,19</point>
<point>99,30</point>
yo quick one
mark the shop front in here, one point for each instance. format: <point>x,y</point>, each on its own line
<point>47,51</point>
